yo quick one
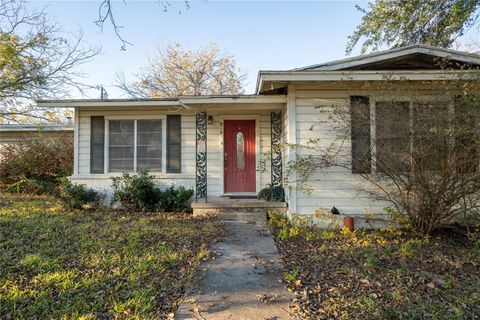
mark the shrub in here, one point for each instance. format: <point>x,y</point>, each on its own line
<point>136,192</point>
<point>36,165</point>
<point>173,200</point>
<point>75,196</point>
<point>139,193</point>
<point>266,193</point>
<point>32,185</point>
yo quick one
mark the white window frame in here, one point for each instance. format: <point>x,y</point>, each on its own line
<point>135,119</point>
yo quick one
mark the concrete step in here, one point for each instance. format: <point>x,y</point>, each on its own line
<point>248,216</point>
<point>235,208</point>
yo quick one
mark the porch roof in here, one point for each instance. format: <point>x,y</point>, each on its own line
<point>181,101</point>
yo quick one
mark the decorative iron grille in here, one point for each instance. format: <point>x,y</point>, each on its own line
<point>201,156</point>
<point>276,155</point>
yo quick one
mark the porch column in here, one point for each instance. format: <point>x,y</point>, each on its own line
<point>276,153</point>
<point>201,156</point>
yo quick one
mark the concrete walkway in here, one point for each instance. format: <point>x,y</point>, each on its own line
<point>242,282</point>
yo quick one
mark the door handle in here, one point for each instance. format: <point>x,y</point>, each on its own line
<point>225,160</point>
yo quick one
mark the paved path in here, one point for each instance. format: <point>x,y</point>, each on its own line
<point>242,282</point>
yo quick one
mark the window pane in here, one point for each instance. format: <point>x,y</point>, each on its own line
<point>467,134</point>
<point>149,145</point>
<point>429,140</point>
<point>121,138</point>
<point>240,151</point>
<point>392,136</point>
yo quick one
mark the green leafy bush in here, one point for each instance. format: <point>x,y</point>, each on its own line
<point>37,164</point>
<point>173,200</point>
<point>75,196</point>
<point>31,185</point>
<point>139,193</point>
<point>136,192</point>
<point>266,193</point>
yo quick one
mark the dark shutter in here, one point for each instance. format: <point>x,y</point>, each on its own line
<point>97,142</point>
<point>174,146</point>
<point>360,131</point>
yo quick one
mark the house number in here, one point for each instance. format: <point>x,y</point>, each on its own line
<point>201,146</point>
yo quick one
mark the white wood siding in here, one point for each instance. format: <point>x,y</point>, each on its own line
<point>333,187</point>
<point>187,176</point>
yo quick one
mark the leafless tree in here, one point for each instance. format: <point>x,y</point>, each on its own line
<point>175,71</point>
<point>38,60</point>
<point>105,14</point>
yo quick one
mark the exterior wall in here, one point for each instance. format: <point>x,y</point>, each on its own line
<point>301,121</point>
<point>102,182</point>
<point>333,187</point>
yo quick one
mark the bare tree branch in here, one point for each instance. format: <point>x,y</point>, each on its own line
<point>105,13</point>
<point>39,61</point>
<point>175,71</point>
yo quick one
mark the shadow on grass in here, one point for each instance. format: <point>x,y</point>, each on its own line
<point>96,264</point>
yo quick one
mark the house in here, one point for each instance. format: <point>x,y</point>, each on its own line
<point>13,133</point>
<point>216,144</point>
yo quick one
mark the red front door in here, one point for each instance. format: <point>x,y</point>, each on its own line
<point>239,155</point>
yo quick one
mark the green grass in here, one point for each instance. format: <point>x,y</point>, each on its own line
<point>57,264</point>
<point>383,274</point>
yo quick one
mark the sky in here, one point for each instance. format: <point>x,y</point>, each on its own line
<point>262,35</point>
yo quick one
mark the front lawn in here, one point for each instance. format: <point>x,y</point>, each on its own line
<point>387,274</point>
<point>58,264</point>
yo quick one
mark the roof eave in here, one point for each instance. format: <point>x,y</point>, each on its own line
<point>32,128</point>
<point>180,101</point>
<point>314,75</point>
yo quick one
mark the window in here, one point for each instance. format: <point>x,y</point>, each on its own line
<point>149,145</point>
<point>392,136</point>
<point>430,120</point>
<point>410,134</point>
<point>135,145</point>
<point>467,138</point>
<point>240,151</point>
<point>121,139</point>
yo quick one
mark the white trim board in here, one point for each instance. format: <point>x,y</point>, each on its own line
<point>181,102</point>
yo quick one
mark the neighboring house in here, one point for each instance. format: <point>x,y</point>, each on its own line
<point>216,143</point>
<point>13,133</point>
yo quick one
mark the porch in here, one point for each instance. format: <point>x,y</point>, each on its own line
<point>237,154</point>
